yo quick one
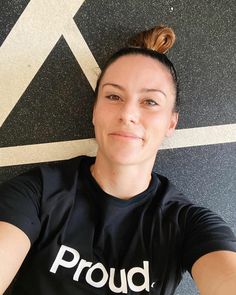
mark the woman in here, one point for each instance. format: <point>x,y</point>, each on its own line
<point>109,225</point>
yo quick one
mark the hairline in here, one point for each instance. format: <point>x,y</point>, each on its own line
<point>160,57</point>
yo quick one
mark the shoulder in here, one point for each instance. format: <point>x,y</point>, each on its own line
<point>169,198</point>
<point>64,166</point>
<point>25,198</point>
<point>40,182</point>
<point>200,230</point>
<point>28,183</point>
<point>62,175</point>
<point>34,179</point>
<point>63,171</point>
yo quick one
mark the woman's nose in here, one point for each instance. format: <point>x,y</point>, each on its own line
<point>129,112</point>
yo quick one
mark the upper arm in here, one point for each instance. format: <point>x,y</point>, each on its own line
<point>14,246</point>
<point>215,273</point>
<point>19,222</point>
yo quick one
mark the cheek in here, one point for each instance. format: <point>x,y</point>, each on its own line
<point>157,121</point>
<point>100,118</point>
<point>157,125</point>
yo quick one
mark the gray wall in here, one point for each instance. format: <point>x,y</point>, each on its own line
<point>55,104</point>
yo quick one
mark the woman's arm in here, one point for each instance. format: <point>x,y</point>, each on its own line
<point>14,246</point>
<point>215,273</point>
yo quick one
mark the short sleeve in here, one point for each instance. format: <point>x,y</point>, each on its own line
<point>20,202</point>
<point>205,232</point>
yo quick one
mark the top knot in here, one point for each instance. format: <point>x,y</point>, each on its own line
<point>160,39</point>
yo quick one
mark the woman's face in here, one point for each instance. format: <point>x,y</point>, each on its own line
<point>134,110</point>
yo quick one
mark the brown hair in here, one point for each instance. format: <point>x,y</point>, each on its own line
<point>153,43</point>
<point>160,39</point>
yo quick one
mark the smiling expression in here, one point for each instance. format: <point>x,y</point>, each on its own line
<point>134,110</point>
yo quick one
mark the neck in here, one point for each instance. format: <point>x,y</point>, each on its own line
<point>121,181</point>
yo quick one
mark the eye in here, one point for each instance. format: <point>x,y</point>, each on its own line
<point>113,97</point>
<point>150,102</point>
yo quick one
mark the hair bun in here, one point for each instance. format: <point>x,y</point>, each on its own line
<point>160,39</point>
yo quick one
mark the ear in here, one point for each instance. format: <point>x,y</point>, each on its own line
<point>172,124</point>
<point>93,119</point>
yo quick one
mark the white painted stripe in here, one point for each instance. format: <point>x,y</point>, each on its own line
<point>28,44</point>
<point>46,152</point>
<point>82,53</point>
<point>55,151</point>
<point>201,136</point>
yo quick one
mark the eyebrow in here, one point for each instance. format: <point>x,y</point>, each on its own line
<point>142,90</point>
<point>114,85</point>
<point>153,90</point>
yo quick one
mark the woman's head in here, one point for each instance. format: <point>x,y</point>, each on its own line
<point>135,106</point>
<point>153,43</point>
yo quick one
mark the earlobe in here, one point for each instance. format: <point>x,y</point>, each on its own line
<point>173,124</point>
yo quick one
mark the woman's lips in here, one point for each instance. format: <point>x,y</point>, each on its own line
<point>126,135</point>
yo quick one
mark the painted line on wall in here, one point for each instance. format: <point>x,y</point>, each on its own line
<point>46,152</point>
<point>82,53</point>
<point>29,43</point>
<point>55,151</point>
<point>201,136</point>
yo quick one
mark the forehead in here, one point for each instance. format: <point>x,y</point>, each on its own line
<point>139,70</point>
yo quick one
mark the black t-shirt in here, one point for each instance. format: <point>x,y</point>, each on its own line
<point>85,241</point>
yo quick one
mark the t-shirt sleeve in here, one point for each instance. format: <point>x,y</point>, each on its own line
<point>205,232</point>
<point>20,202</point>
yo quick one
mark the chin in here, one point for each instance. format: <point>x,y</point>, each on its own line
<point>127,155</point>
<point>132,159</point>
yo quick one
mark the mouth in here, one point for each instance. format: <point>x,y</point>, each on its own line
<point>126,135</point>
